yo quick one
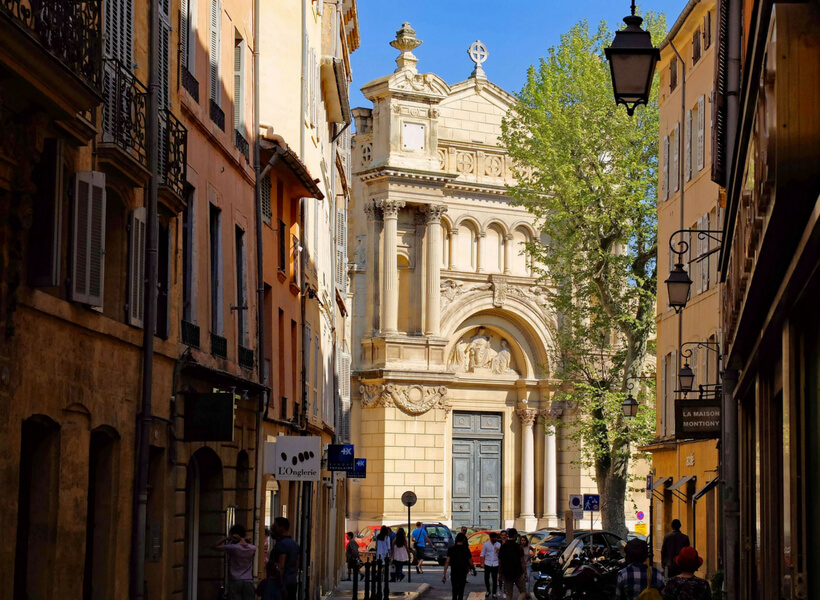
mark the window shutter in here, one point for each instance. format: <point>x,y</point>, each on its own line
<point>341,251</point>
<point>88,264</point>
<point>670,400</point>
<point>316,377</point>
<point>184,31</point>
<point>305,79</point>
<point>344,392</point>
<point>719,124</point>
<point>214,54</point>
<point>701,123</point>
<point>265,193</point>
<point>663,388</point>
<point>119,15</point>
<point>164,55</point>
<point>136,266</point>
<point>314,91</point>
<point>694,363</point>
<point>665,183</point>
<point>687,167</point>
<point>44,235</point>
<point>675,174</point>
<point>237,87</point>
<point>707,260</point>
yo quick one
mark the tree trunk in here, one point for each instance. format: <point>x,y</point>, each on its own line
<point>612,479</point>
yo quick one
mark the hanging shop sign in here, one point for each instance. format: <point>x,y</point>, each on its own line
<point>298,458</point>
<point>340,458</point>
<point>360,470</point>
<point>697,419</point>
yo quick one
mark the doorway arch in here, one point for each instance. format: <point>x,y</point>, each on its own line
<point>204,525</point>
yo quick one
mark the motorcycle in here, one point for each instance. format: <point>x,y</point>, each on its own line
<point>578,574</point>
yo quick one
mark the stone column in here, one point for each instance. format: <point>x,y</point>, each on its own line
<point>432,286</point>
<point>371,276</point>
<point>454,249</point>
<point>390,285</point>
<point>508,250</point>
<point>527,416</point>
<point>550,476</point>
<point>418,302</point>
<point>479,250</point>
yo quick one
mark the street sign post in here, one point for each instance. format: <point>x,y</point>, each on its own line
<point>576,503</point>
<point>409,499</point>
<point>592,503</point>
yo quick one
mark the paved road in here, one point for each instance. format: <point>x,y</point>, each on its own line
<point>443,591</point>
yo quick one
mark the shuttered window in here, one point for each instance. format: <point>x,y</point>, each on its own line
<point>687,164</point>
<point>164,253</point>
<point>119,26</point>
<point>187,35</point>
<point>675,167</point>
<point>317,343</point>
<point>265,190</point>
<point>707,30</point>
<point>701,127</point>
<point>306,80</point>
<point>344,393</point>
<point>672,361</point>
<point>663,390</point>
<point>665,175</point>
<point>314,89</point>
<point>47,205</point>
<point>341,250</point>
<point>88,260</point>
<point>695,253</point>
<point>719,124</point>
<point>707,258</point>
<point>214,52</point>
<point>136,266</point>
<point>239,86</point>
<point>164,55</point>
<point>241,288</point>
<point>215,238</point>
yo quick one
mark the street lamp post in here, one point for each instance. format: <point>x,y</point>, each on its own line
<point>678,285</point>
<point>686,377</point>
<point>630,404</point>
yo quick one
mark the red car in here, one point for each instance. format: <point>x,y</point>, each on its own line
<point>475,542</point>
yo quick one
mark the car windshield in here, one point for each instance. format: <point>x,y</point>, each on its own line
<point>552,539</point>
<point>537,536</point>
<point>438,531</point>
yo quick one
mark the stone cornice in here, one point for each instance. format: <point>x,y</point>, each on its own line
<point>399,173</point>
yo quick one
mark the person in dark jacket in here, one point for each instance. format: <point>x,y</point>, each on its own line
<point>673,543</point>
<point>512,565</point>
<point>352,556</point>
<point>460,562</point>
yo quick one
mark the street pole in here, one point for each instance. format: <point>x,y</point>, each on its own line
<point>409,557</point>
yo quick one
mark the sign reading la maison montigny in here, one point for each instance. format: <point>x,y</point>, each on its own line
<point>297,458</point>
<point>697,419</point>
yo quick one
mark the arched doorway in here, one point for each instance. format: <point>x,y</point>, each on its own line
<point>204,526</point>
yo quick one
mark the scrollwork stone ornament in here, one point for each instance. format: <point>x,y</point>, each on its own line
<point>412,399</point>
<point>371,394</point>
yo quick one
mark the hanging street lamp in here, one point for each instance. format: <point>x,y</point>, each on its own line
<point>632,61</point>
<point>686,378</point>
<point>678,286</point>
<point>630,406</point>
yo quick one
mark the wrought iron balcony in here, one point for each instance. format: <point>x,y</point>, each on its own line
<point>69,31</point>
<point>173,152</point>
<point>241,144</point>
<point>219,346</point>
<point>217,115</point>
<point>190,83</point>
<point>245,358</point>
<point>125,111</point>
<point>190,334</point>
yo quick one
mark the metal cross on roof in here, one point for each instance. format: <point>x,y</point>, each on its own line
<point>478,52</point>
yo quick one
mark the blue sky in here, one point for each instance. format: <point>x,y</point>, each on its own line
<point>516,32</point>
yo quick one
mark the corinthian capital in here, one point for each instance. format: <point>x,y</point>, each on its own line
<point>432,212</point>
<point>372,210</point>
<point>390,208</point>
<point>527,416</point>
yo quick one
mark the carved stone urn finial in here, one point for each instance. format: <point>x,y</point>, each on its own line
<point>405,42</point>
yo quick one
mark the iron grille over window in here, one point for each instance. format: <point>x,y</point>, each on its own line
<point>283,251</point>
<point>265,192</point>
<point>219,346</point>
<point>217,115</point>
<point>190,334</point>
<point>174,150</point>
<point>245,358</point>
<point>190,83</point>
<point>241,144</point>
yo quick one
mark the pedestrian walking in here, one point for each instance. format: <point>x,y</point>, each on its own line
<point>352,556</point>
<point>399,554</point>
<point>672,545</point>
<point>489,562</point>
<point>511,564</point>
<point>420,541</point>
<point>633,579</point>
<point>285,556</point>
<point>383,548</point>
<point>239,552</point>
<point>528,555</point>
<point>460,562</point>
<point>686,585</point>
<point>502,539</point>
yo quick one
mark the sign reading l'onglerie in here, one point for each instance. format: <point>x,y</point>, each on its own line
<point>697,419</point>
<point>298,458</point>
<point>340,458</point>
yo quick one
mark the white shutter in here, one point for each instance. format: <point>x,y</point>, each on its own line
<point>314,89</point>
<point>214,55</point>
<point>670,401</point>
<point>665,182</point>
<point>663,388</point>
<point>694,363</point>
<point>341,251</point>
<point>136,266</point>
<point>119,25</point>
<point>344,392</point>
<point>707,259</point>
<point>306,79</point>
<point>701,122</point>
<point>687,166</point>
<point>675,169</point>
<point>265,193</point>
<point>187,35</point>
<point>88,248</point>
<point>238,85</point>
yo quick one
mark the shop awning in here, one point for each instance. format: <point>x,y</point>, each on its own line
<point>660,482</point>
<point>705,489</point>
<point>682,482</point>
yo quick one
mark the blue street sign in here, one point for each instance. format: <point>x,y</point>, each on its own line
<point>360,469</point>
<point>340,458</point>
<point>592,502</point>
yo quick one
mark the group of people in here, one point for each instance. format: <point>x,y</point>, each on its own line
<point>680,560</point>
<point>506,559</point>
<point>281,567</point>
<point>392,548</point>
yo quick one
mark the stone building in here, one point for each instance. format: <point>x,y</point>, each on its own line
<point>450,328</point>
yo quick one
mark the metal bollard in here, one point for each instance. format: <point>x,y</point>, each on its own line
<point>386,580</point>
<point>378,582</point>
<point>356,568</point>
<point>366,581</point>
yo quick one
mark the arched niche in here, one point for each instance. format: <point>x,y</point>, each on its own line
<point>405,320</point>
<point>493,249</point>
<point>467,257</point>
<point>520,260</point>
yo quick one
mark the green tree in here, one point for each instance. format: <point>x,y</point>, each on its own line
<point>588,172</point>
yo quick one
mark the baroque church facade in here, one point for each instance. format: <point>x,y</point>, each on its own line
<point>450,375</point>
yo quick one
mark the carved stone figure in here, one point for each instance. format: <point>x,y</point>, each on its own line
<point>460,361</point>
<point>481,353</point>
<point>360,253</point>
<point>502,360</point>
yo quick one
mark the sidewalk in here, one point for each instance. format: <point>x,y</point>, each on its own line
<point>399,591</point>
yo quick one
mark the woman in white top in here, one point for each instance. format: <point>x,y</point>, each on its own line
<point>489,562</point>
<point>400,555</point>
<point>383,545</point>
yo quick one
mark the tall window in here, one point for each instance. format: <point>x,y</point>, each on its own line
<point>187,35</point>
<point>673,74</point>
<point>215,237</point>
<point>241,289</point>
<point>239,84</point>
<point>215,39</point>
<point>163,328</point>
<point>119,27</point>
<point>189,259</point>
<point>696,44</point>
<point>164,53</point>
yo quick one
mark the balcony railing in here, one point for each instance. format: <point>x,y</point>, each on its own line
<point>245,358</point>
<point>173,152</point>
<point>71,31</point>
<point>190,83</point>
<point>190,334</point>
<point>125,110</point>
<point>219,346</point>
<point>241,144</point>
<point>217,115</point>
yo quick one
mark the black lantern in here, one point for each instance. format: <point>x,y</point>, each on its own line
<point>632,60</point>
<point>686,378</point>
<point>630,407</point>
<point>677,287</point>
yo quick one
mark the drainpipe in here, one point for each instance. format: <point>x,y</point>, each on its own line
<point>143,425</point>
<point>260,295</point>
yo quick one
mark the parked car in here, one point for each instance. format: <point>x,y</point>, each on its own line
<point>476,542</point>
<point>441,538</point>
<point>553,543</point>
<point>366,537</point>
<point>534,537</point>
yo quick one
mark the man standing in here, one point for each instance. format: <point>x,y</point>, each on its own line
<point>286,555</point>
<point>420,541</point>
<point>511,563</point>
<point>634,578</point>
<point>239,553</point>
<point>489,562</point>
<point>672,545</point>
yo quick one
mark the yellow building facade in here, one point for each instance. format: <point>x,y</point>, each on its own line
<point>686,471</point>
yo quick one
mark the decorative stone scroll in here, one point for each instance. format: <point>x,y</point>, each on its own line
<point>412,399</point>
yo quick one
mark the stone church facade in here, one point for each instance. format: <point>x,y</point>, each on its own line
<point>451,378</point>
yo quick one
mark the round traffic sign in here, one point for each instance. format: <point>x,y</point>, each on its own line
<point>408,499</point>
<point>576,501</point>
<point>640,515</point>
